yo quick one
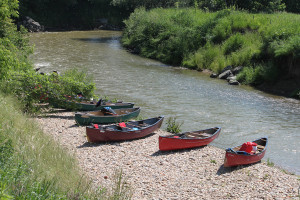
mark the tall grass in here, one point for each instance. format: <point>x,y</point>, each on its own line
<point>34,166</point>
<point>39,162</point>
<point>213,40</point>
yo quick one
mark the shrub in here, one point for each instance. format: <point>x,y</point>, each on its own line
<point>32,88</point>
<point>173,126</point>
<point>251,75</point>
<point>233,44</point>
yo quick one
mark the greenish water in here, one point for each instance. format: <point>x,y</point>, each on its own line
<point>244,114</point>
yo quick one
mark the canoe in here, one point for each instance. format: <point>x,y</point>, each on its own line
<point>188,139</point>
<point>85,105</point>
<point>102,117</point>
<point>234,156</point>
<point>129,131</point>
<point>89,106</point>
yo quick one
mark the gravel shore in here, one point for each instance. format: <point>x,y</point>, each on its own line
<point>187,174</point>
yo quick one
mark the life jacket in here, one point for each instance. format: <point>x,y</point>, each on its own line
<point>248,146</point>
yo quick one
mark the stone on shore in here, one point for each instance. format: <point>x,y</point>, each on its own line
<point>31,25</point>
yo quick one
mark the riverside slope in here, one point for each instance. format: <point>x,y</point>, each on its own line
<point>185,174</point>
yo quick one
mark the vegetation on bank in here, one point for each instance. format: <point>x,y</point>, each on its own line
<point>267,45</point>
<point>32,165</point>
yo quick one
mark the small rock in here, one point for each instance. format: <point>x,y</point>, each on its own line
<point>229,67</point>
<point>234,82</point>
<point>225,74</point>
<point>237,70</point>
<point>213,75</point>
<point>231,77</point>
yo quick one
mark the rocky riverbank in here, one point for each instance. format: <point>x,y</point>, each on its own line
<point>187,174</point>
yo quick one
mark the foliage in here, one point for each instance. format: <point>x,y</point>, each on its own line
<point>268,44</point>
<point>292,5</point>
<point>14,49</point>
<point>122,189</point>
<point>173,126</point>
<point>251,75</point>
<point>30,162</point>
<point>211,5</point>
<point>270,163</point>
<point>32,88</point>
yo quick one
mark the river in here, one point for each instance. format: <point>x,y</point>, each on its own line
<point>243,113</point>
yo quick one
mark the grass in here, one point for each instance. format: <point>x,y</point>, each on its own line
<point>213,161</point>
<point>270,163</point>
<point>173,126</point>
<point>34,166</point>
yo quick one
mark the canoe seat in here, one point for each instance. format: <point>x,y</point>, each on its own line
<point>143,124</point>
<point>260,146</point>
<point>198,135</point>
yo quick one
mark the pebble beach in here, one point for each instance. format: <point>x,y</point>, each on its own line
<point>186,174</point>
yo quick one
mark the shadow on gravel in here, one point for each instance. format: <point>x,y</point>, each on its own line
<point>115,143</point>
<point>88,144</point>
<point>225,170</point>
<point>161,153</point>
<point>73,126</point>
<point>58,117</point>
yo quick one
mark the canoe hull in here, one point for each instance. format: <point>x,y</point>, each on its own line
<point>96,135</point>
<point>233,159</point>
<point>85,119</point>
<point>170,143</point>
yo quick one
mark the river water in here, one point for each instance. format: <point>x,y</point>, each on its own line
<point>244,114</point>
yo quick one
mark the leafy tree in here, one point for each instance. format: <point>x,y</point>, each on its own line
<point>292,6</point>
<point>14,49</point>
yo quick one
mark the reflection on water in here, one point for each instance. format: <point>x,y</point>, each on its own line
<point>201,102</point>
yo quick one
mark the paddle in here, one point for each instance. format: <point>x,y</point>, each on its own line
<point>99,102</point>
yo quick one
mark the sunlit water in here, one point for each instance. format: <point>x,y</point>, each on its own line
<point>244,114</point>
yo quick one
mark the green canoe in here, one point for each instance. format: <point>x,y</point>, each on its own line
<point>102,117</point>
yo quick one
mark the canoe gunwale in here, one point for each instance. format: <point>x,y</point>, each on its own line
<point>218,129</point>
<point>117,130</point>
<point>93,115</point>
<point>82,118</point>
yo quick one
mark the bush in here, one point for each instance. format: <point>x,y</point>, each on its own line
<point>32,88</point>
<point>233,44</point>
<point>173,126</point>
<point>251,75</point>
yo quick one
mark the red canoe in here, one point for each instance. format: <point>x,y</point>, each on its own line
<point>123,131</point>
<point>188,139</point>
<point>235,157</point>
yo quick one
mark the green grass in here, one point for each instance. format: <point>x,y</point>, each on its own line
<point>173,126</point>
<point>34,166</point>
<point>270,163</point>
<point>213,40</point>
